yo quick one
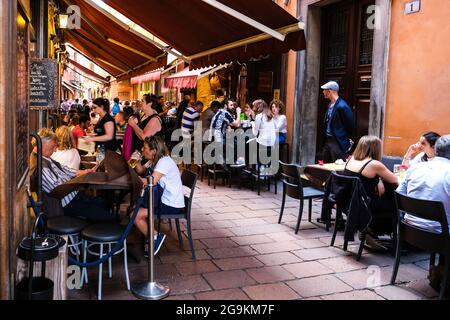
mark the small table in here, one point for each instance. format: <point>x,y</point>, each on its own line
<point>318,174</point>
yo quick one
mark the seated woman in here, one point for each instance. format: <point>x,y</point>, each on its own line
<point>66,154</point>
<point>106,127</point>
<point>280,120</point>
<point>379,183</point>
<point>149,125</point>
<point>166,176</point>
<point>421,151</point>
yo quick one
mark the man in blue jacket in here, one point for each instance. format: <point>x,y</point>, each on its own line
<point>339,125</point>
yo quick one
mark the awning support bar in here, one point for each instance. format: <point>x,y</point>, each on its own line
<point>236,14</point>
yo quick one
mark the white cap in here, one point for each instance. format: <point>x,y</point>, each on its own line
<point>332,85</point>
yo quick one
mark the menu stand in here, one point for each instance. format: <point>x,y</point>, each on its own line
<point>150,290</point>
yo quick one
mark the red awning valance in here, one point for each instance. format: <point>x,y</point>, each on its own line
<point>184,79</point>
<point>152,76</point>
<point>209,28</point>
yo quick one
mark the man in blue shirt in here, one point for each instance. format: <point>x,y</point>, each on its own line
<point>339,125</point>
<point>116,107</point>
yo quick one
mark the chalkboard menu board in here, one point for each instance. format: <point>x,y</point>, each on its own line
<point>43,83</point>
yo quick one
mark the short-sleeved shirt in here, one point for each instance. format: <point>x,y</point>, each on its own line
<point>220,122</point>
<point>173,195</point>
<point>189,117</point>
<point>77,133</point>
<point>101,131</point>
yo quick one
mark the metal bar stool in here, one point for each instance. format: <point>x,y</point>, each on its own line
<point>104,234</point>
<point>71,227</point>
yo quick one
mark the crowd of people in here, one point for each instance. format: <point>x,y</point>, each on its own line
<point>142,123</point>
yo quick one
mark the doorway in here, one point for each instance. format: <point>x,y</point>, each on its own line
<point>346,57</point>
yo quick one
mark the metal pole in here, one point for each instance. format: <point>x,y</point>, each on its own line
<point>150,290</point>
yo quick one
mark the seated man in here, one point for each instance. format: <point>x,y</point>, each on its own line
<point>431,181</point>
<point>54,174</point>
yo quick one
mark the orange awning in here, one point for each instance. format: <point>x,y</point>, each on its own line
<point>87,71</point>
<point>120,52</point>
<point>208,28</point>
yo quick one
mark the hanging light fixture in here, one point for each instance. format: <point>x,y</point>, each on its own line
<point>63,20</point>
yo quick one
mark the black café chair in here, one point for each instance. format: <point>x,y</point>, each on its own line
<point>293,187</point>
<point>189,180</point>
<point>340,190</point>
<point>427,240</point>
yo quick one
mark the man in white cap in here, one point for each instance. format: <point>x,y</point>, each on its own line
<point>339,125</point>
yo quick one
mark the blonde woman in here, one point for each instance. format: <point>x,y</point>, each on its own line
<point>379,183</point>
<point>66,154</point>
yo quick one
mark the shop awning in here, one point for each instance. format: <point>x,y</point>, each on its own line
<point>65,85</point>
<point>209,36</point>
<point>151,76</point>
<point>87,71</point>
<point>184,79</point>
<point>118,51</point>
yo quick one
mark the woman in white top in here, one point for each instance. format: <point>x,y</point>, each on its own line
<point>66,154</point>
<point>264,128</point>
<point>421,151</point>
<point>280,120</point>
<point>166,175</point>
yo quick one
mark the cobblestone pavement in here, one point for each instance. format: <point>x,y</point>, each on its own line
<point>244,254</point>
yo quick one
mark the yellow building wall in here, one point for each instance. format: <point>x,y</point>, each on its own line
<point>418,87</point>
<point>290,74</point>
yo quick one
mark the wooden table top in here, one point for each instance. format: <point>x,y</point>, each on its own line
<point>329,167</point>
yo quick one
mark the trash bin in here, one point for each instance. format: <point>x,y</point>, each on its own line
<point>42,289</point>
<point>37,248</point>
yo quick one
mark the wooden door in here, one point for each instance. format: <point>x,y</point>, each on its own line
<point>347,45</point>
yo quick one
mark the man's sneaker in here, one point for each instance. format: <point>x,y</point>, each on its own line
<point>157,245</point>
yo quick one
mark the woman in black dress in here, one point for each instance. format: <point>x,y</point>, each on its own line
<point>379,183</point>
<point>105,128</point>
<point>149,125</point>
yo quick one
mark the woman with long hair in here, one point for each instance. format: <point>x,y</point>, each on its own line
<point>166,177</point>
<point>66,154</point>
<point>277,107</point>
<point>379,183</point>
<point>423,150</point>
<point>149,125</point>
<point>264,128</point>
<point>106,126</point>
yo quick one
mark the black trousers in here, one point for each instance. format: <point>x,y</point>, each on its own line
<point>332,151</point>
<point>93,209</point>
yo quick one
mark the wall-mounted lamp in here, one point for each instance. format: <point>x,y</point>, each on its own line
<point>63,20</point>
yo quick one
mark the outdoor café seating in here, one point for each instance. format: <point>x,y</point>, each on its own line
<point>293,188</point>
<point>350,198</point>
<point>426,240</point>
<point>189,180</point>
